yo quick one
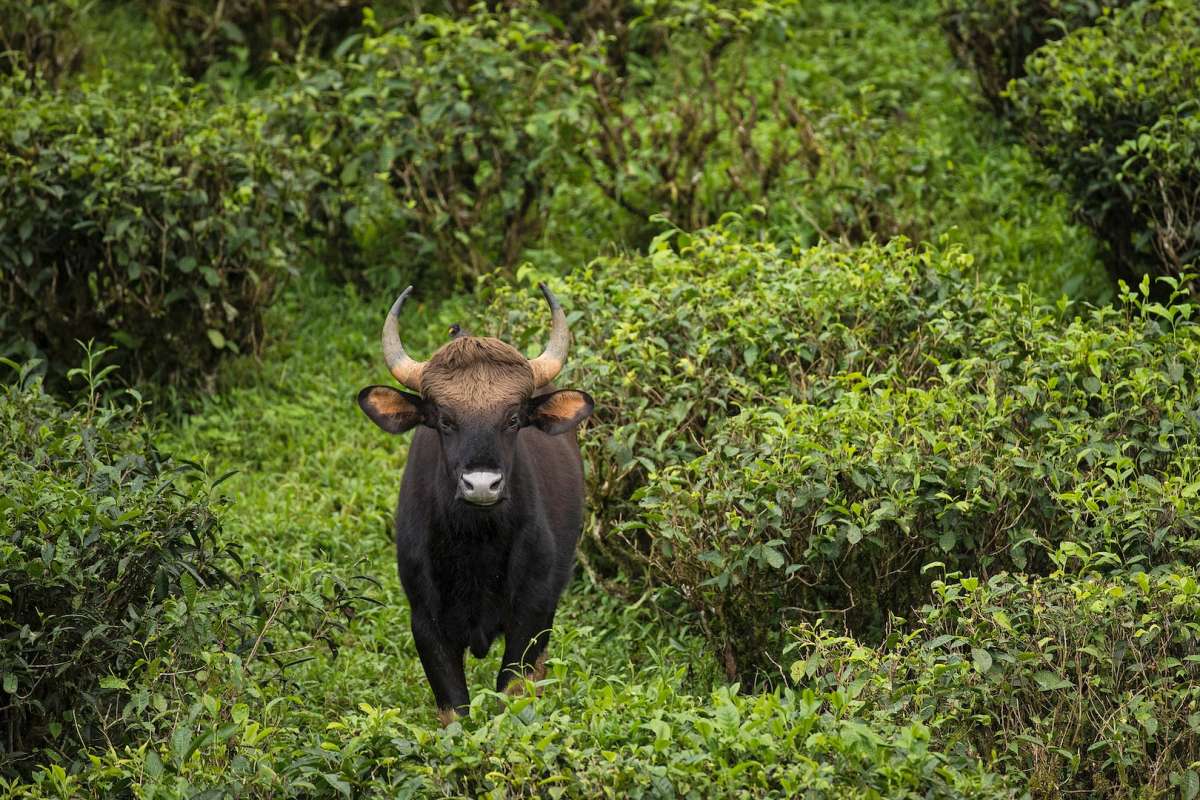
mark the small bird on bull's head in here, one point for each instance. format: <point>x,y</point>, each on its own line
<point>491,502</point>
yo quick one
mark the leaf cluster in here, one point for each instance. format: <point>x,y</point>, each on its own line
<point>788,434</point>
<point>1075,682</point>
<point>995,37</point>
<point>1112,110</point>
<point>147,217</point>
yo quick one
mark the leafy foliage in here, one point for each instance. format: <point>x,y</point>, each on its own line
<point>126,613</point>
<point>1112,111</point>
<point>782,433</point>
<point>104,546</point>
<point>633,731</point>
<point>1075,682</point>
<point>805,432</point>
<point>441,138</point>
<point>41,38</point>
<point>257,31</point>
<point>148,218</point>
<point>995,37</point>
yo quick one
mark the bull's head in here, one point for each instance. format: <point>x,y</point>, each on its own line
<point>477,393</point>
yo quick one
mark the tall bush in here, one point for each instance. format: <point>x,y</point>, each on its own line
<point>254,31</point>
<point>1073,683</point>
<point>714,127</point>
<point>442,139</point>
<point>99,533</point>
<point>1112,110</point>
<point>794,433</point>
<point>41,38</point>
<point>995,37</point>
<point>149,218</point>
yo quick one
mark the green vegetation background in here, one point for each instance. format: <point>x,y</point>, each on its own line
<point>999,685</point>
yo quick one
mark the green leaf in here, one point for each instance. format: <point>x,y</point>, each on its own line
<point>1050,682</point>
<point>113,682</point>
<point>1189,784</point>
<point>216,337</point>
<point>982,659</point>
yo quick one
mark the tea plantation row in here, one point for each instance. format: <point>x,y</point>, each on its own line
<point>552,140</point>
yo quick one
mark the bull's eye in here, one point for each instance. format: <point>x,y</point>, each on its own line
<point>447,425</point>
<point>514,422</point>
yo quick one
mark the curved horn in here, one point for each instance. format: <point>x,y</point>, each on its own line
<point>403,368</point>
<point>547,366</point>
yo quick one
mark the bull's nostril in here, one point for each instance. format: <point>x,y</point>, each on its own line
<point>496,484</point>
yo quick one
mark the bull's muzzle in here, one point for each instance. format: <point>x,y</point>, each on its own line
<point>482,488</point>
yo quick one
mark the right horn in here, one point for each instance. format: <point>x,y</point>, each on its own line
<point>402,367</point>
<point>547,366</point>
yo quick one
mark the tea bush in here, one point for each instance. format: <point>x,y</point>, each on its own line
<point>676,341</point>
<point>546,146</point>
<point>253,31</point>
<point>125,610</point>
<point>780,119</point>
<point>592,733</point>
<point>105,544</point>
<point>1112,111</point>
<point>744,115</point>
<point>148,218</point>
<point>806,431</point>
<point>1074,683</point>
<point>995,37</point>
<point>441,139</point>
<point>41,38</point>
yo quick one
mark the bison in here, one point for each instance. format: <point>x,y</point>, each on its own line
<point>491,502</point>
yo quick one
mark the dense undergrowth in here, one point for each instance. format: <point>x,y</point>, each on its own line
<point>802,432</point>
<point>893,493</point>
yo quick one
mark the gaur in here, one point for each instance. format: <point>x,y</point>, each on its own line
<point>491,502</point>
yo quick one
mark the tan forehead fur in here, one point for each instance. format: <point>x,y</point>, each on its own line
<point>476,372</point>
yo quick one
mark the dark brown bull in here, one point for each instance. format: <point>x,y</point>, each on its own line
<point>491,503</point>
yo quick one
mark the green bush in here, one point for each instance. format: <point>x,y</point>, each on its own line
<point>995,37</point>
<point>41,38</point>
<point>104,545</point>
<point>545,145</point>
<point>1087,685</point>
<point>1112,110</point>
<point>717,125</point>
<point>442,139</point>
<point>591,735</point>
<point>252,31</point>
<point>125,612</point>
<point>806,431</point>
<point>147,218</point>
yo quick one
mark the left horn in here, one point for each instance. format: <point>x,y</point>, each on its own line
<point>403,368</point>
<point>547,366</point>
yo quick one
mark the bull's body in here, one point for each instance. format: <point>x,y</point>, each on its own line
<point>491,504</point>
<point>473,574</point>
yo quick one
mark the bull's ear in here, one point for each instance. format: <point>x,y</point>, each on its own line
<point>559,412</point>
<point>391,409</point>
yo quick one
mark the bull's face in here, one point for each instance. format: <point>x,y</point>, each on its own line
<point>477,393</point>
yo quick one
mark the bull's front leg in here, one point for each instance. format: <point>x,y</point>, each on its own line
<point>443,664</point>
<point>525,647</point>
